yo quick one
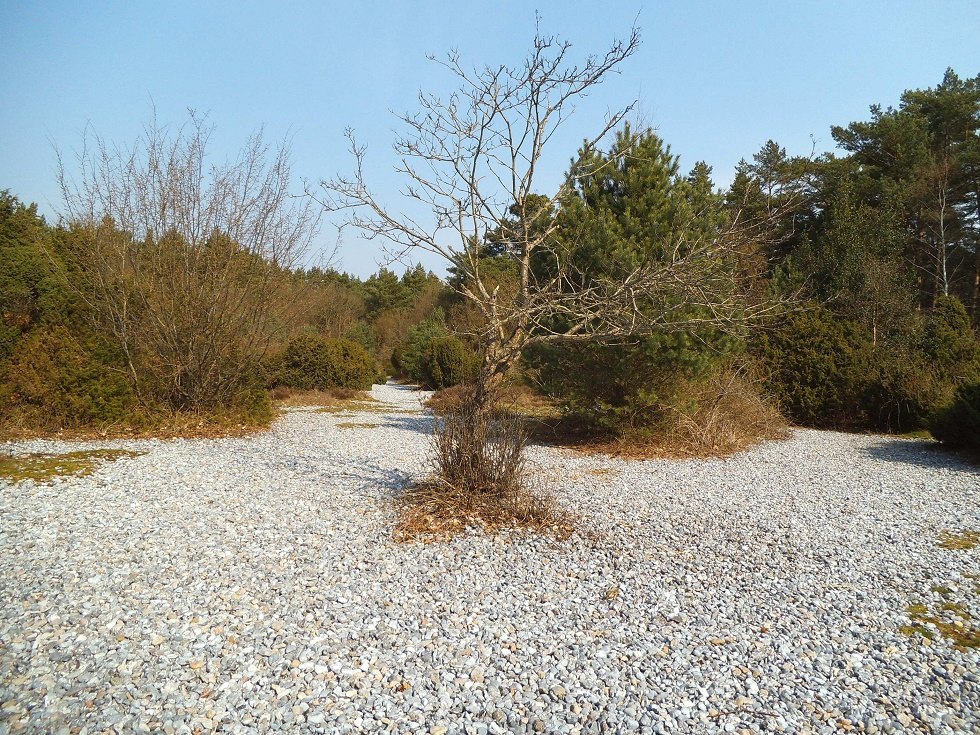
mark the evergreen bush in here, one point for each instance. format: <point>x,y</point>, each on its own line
<point>958,425</point>
<point>902,389</point>
<point>58,379</point>
<point>625,388</point>
<point>950,342</point>
<point>817,368</point>
<point>445,362</point>
<point>310,362</point>
<point>408,356</point>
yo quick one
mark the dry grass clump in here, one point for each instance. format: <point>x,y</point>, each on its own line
<point>447,399</point>
<point>959,541</point>
<point>479,479</point>
<point>170,425</point>
<point>294,397</point>
<point>722,415</point>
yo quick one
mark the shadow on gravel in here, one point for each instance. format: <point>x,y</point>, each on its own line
<point>387,481</point>
<point>921,454</point>
<point>420,424</point>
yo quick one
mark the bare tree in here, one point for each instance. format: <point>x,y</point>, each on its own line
<point>182,260</point>
<point>474,160</point>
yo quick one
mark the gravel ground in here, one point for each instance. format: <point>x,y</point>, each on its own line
<point>251,585</point>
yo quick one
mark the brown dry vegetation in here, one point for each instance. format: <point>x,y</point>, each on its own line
<point>478,479</point>
<point>432,511</point>
<point>292,397</point>
<point>171,425</point>
<point>721,416</point>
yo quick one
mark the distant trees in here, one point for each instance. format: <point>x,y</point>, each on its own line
<point>924,155</point>
<point>173,284</point>
<point>886,242</point>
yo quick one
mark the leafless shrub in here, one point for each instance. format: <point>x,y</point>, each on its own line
<point>480,451</point>
<point>479,477</point>
<point>182,261</point>
<point>474,159</point>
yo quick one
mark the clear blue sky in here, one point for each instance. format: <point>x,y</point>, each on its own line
<point>716,79</point>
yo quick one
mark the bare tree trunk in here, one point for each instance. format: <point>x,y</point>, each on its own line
<point>975,296</point>
<point>942,246</point>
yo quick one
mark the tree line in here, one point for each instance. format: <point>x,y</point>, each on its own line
<point>843,288</point>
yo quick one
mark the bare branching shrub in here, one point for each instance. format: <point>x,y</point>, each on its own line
<point>480,451</point>
<point>181,261</point>
<point>473,159</point>
<point>479,477</point>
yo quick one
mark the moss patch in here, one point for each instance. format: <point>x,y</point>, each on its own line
<point>361,406</point>
<point>917,629</point>
<point>952,621</point>
<point>959,541</point>
<point>46,467</point>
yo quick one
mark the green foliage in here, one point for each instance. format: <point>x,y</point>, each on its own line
<point>407,357</point>
<point>361,333</point>
<point>316,363</point>
<point>31,289</point>
<point>950,343</point>
<point>56,380</point>
<point>619,388</point>
<point>816,365</point>
<point>900,391</point>
<point>958,425</point>
<point>447,361</point>
<point>385,291</point>
<point>769,195</point>
<point>54,371</point>
<point>254,405</point>
<point>826,371</point>
<point>923,154</point>
<point>632,207</point>
<point>855,263</point>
